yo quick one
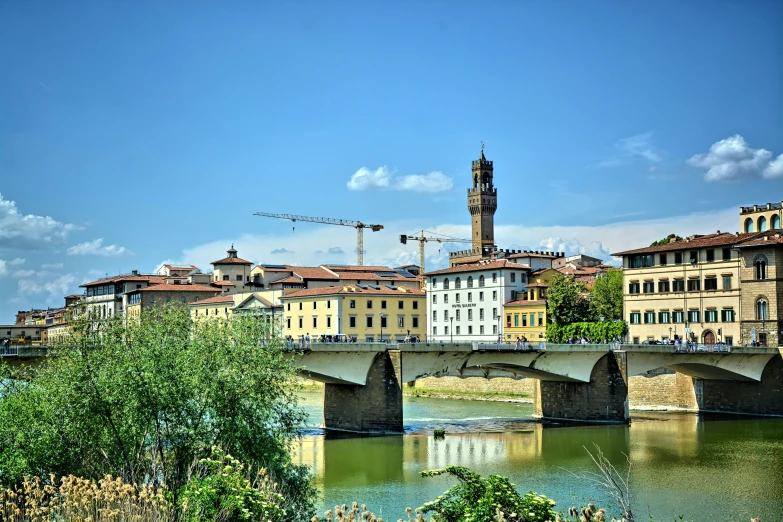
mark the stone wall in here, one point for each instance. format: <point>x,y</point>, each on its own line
<point>754,398</point>
<point>477,384</point>
<point>666,391</point>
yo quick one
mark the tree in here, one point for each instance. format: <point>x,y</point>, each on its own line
<point>566,300</point>
<point>147,400</point>
<point>665,241</point>
<point>607,299</point>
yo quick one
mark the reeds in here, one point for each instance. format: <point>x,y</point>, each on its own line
<point>74,499</point>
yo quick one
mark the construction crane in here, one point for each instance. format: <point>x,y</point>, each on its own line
<point>422,239</point>
<point>358,225</point>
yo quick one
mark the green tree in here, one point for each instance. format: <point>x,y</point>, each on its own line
<point>147,400</point>
<point>567,300</point>
<point>607,296</point>
<point>665,241</point>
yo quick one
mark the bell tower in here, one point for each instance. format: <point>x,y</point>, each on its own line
<point>482,203</point>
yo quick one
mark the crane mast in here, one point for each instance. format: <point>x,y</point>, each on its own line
<point>358,225</point>
<point>422,239</point>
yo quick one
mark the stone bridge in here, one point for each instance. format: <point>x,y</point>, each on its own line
<point>589,383</point>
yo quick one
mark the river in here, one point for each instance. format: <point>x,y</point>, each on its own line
<point>704,467</point>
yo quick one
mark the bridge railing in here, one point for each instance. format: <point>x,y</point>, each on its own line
<point>510,347</point>
<point>16,350</point>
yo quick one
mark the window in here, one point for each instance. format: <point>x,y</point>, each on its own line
<point>494,295</point>
<point>300,305</point>
<point>678,285</point>
<point>775,222</point>
<point>532,319</point>
<point>352,321</point>
<point>457,296</point>
<point>315,322</point>
<point>516,319</point>
<point>470,281</point>
<point>369,304</point>
<point>761,310</point>
<point>649,287</point>
<point>368,321</point>
<point>458,283</point>
<point>663,317</point>
<point>663,286</point>
<point>727,254</point>
<point>678,316</point>
<point>457,315</point>
<point>513,277</point>
<point>414,322</point>
<point>434,299</point>
<point>662,259</point>
<point>494,277</point>
<point>710,316</point>
<point>678,258</point>
<point>315,305</point>
<point>445,330</point>
<point>636,318</point>
<point>693,316</point>
<point>300,323</point>
<point>494,329</point>
<point>494,313</point>
<point>762,224</point>
<point>287,321</point>
<point>445,298</point>
<point>727,282</point>
<point>481,296</point>
<point>400,305</point>
<point>352,303</point>
<point>633,288</point>
<point>481,329</point>
<point>649,317</point>
<point>328,304</point>
<point>481,314</point>
<point>383,305</point>
<point>445,315</point>
<point>457,329</point>
<point>470,314</point>
<point>470,297</point>
<point>446,284</point>
<point>434,316</point>
<point>727,315</point>
<point>540,318</point>
<point>239,277</point>
<point>710,255</point>
<point>415,305</point>
<point>642,261</point>
<point>225,277</point>
<point>694,285</point>
<point>434,282</point>
<point>288,307</point>
<point>749,225</point>
<point>434,330</point>
<point>710,283</point>
<point>470,330</point>
<point>328,321</point>
<point>761,268</point>
<point>481,281</point>
<point>383,321</point>
<point>524,320</point>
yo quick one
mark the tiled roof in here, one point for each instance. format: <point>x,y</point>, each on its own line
<point>285,268</point>
<point>343,290</point>
<point>694,242</point>
<point>373,276</point>
<point>766,239</point>
<point>524,302</point>
<point>481,265</point>
<point>317,272</point>
<point>531,254</point>
<point>166,287</point>
<point>358,268</point>
<point>216,299</point>
<point>231,261</point>
<point>151,279</point>
<point>537,285</point>
<point>222,283</point>
<point>289,279</point>
<point>189,267</point>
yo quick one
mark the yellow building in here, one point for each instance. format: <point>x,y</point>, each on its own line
<point>761,218</point>
<point>526,316</point>
<point>367,313</point>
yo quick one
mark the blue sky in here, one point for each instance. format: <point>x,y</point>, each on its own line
<point>158,128</point>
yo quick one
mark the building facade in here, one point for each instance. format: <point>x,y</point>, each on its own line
<point>526,317</point>
<point>149,297</point>
<point>761,218</point>
<point>232,273</point>
<point>368,313</point>
<point>761,278</point>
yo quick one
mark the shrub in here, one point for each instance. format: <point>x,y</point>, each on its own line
<point>599,331</point>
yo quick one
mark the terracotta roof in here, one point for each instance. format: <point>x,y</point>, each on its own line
<point>364,292</point>
<point>151,279</point>
<point>523,302</point>
<point>358,268</point>
<point>289,279</point>
<point>481,265</point>
<point>231,261</point>
<point>222,283</point>
<point>317,272</point>
<point>537,285</point>
<point>373,276</point>
<point>285,268</point>
<point>166,287</point>
<point>776,239</point>
<point>216,299</point>
<point>694,242</point>
<point>174,267</point>
<point>531,254</point>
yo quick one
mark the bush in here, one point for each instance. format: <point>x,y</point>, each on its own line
<point>600,331</point>
<point>485,500</point>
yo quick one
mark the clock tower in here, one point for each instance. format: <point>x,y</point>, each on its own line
<point>482,204</point>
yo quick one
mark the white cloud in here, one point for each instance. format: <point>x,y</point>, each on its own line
<point>3,267</point>
<point>20,274</point>
<point>29,232</point>
<point>51,266</point>
<point>634,147</point>
<point>56,288</point>
<point>732,158</point>
<point>281,251</point>
<point>16,262</point>
<point>774,169</point>
<point>571,247</point>
<point>383,179</point>
<point>96,248</point>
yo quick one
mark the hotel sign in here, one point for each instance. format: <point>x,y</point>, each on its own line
<point>463,305</point>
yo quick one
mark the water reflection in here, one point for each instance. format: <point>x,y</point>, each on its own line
<point>706,468</point>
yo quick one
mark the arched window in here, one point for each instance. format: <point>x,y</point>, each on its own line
<point>470,281</point>
<point>775,222</point>
<point>458,283</point>
<point>481,280</point>
<point>761,268</point>
<point>761,309</point>
<point>446,284</point>
<point>749,225</point>
<point>762,224</point>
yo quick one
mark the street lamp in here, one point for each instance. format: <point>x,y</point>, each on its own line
<point>451,329</point>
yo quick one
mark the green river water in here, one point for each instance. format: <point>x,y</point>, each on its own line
<point>704,467</point>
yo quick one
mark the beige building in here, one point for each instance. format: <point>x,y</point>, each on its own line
<point>761,273</point>
<point>688,288</point>
<point>232,273</point>
<point>264,304</point>
<point>149,297</point>
<point>761,218</point>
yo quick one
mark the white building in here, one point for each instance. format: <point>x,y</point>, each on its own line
<point>232,273</point>
<point>465,302</point>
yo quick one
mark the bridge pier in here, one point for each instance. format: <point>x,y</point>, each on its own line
<point>375,407</point>
<point>603,399</point>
